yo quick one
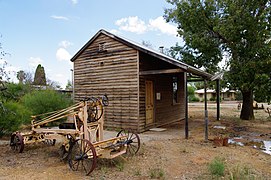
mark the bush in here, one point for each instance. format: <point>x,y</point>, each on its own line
<point>43,101</point>
<point>213,99</point>
<point>190,90</point>
<point>217,167</point>
<point>193,99</point>
<point>13,117</point>
<point>242,172</point>
<point>15,91</point>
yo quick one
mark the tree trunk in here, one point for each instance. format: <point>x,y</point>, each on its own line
<point>247,108</point>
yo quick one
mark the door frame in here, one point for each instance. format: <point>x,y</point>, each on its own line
<point>153,98</point>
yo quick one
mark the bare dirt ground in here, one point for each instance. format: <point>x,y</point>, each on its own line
<point>164,155</point>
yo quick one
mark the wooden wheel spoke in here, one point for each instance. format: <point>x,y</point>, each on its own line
<point>129,150</point>
<point>85,169</point>
<point>133,138</point>
<point>84,147</point>
<point>133,147</point>
<point>75,164</point>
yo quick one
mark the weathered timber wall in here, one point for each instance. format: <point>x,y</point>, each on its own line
<point>166,110</point>
<point>113,72</point>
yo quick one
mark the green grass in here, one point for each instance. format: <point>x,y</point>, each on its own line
<point>157,173</point>
<point>217,167</point>
<point>242,172</point>
<point>119,164</point>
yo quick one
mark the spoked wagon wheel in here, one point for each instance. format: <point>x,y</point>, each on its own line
<point>132,141</point>
<point>82,156</point>
<point>17,142</point>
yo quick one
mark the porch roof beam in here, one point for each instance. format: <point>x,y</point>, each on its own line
<point>160,71</point>
<point>194,80</point>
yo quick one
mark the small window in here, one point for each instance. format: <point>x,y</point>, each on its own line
<point>102,46</point>
<point>175,89</point>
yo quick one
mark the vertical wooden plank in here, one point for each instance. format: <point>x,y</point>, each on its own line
<point>101,126</point>
<point>85,123</point>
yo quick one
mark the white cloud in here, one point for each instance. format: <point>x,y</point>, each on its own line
<point>65,44</point>
<point>161,25</point>
<point>59,75</point>
<point>132,24</point>
<point>114,31</point>
<point>33,62</point>
<point>136,25</point>
<point>74,1</point>
<point>63,55</point>
<point>60,17</point>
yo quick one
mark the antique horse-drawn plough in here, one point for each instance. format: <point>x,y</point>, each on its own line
<point>81,136</point>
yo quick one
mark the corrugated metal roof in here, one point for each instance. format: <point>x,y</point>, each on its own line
<point>142,48</point>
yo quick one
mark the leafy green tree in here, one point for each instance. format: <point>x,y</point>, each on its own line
<point>191,93</point>
<point>43,101</point>
<point>263,89</point>
<point>236,28</point>
<point>13,117</point>
<point>39,78</point>
<point>3,75</point>
<point>14,92</point>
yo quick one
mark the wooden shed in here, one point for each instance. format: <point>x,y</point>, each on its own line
<point>145,88</point>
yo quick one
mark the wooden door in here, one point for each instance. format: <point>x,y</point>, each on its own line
<point>149,102</point>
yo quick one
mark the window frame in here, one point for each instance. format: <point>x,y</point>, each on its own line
<point>175,90</point>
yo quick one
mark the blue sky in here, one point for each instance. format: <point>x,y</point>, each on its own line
<point>50,32</point>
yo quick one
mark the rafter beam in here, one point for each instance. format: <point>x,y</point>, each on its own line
<point>160,71</point>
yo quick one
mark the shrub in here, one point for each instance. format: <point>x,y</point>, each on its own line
<point>190,90</point>
<point>15,91</point>
<point>13,117</point>
<point>193,99</point>
<point>213,99</point>
<point>217,167</point>
<point>241,172</point>
<point>43,101</point>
